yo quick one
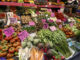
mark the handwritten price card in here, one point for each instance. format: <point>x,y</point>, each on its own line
<point>71,24</point>
<point>31,23</point>
<point>52,14</point>
<point>8,31</point>
<point>53,28</point>
<point>60,26</point>
<point>24,34</point>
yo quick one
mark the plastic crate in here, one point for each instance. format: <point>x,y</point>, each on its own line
<point>76,57</point>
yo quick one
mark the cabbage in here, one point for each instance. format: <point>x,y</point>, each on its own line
<point>36,41</point>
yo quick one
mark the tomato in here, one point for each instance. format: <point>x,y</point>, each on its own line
<point>16,38</point>
<point>1,53</point>
<point>12,41</point>
<point>9,55</point>
<point>4,54</point>
<point>8,38</point>
<point>16,44</point>
<point>4,42</point>
<point>17,48</point>
<point>11,50</point>
<point>9,45</point>
<point>5,48</point>
<point>0,47</point>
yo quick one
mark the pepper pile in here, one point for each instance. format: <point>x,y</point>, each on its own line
<point>68,32</point>
<point>9,46</point>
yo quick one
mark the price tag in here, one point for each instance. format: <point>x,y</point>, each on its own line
<point>31,23</point>
<point>24,34</point>
<point>53,18</point>
<point>53,28</point>
<point>59,11</point>
<point>8,31</point>
<point>37,12</point>
<point>52,14</point>
<point>70,43</point>
<point>60,26</point>
<point>49,10</point>
<point>13,20</point>
<point>43,20</point>
<point>45,26</point>
<point>58,1</point>
<point>58,20</point>
<point>46,5</point>
<point>51,21</point>
<point>71,24</point>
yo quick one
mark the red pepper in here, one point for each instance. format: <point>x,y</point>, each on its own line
<point>11,50</point>
<point>17,48</point>
<point>16,44</point>
<point>1,35</point>
<point>0,47</point>
<point>53,57</point>
<point>5,48</point>
<point>8,38</point>
<point>45,50</point>
<point>9,55</point>
<point>42,49</point>
<point>12,40</point>
<point>62,57</point>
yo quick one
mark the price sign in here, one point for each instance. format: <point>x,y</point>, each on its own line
<point>71,24</point>
<point>13,20</point>
<point>49,10</point>
<point>8,31</point>
<point>24,34</point>
<point>53,28</point>
<point>58,20</point>
<point>59,11</point>
<point>31,23</point>
<point>60,26</point>
<point>70,43</point>
<point>43,20</point>
<point>52,14</point>
<point>46,5</point>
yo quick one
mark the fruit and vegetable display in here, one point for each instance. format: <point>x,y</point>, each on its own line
<point>32,33</point>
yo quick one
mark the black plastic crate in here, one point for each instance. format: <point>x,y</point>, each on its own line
<point>76,57</point>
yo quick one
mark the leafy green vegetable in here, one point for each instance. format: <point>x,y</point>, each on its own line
<point>56,39</point>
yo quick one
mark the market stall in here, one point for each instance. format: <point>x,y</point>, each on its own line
<point>39,30</point>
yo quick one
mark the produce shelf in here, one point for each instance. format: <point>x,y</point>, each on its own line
<point>28,5</point>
